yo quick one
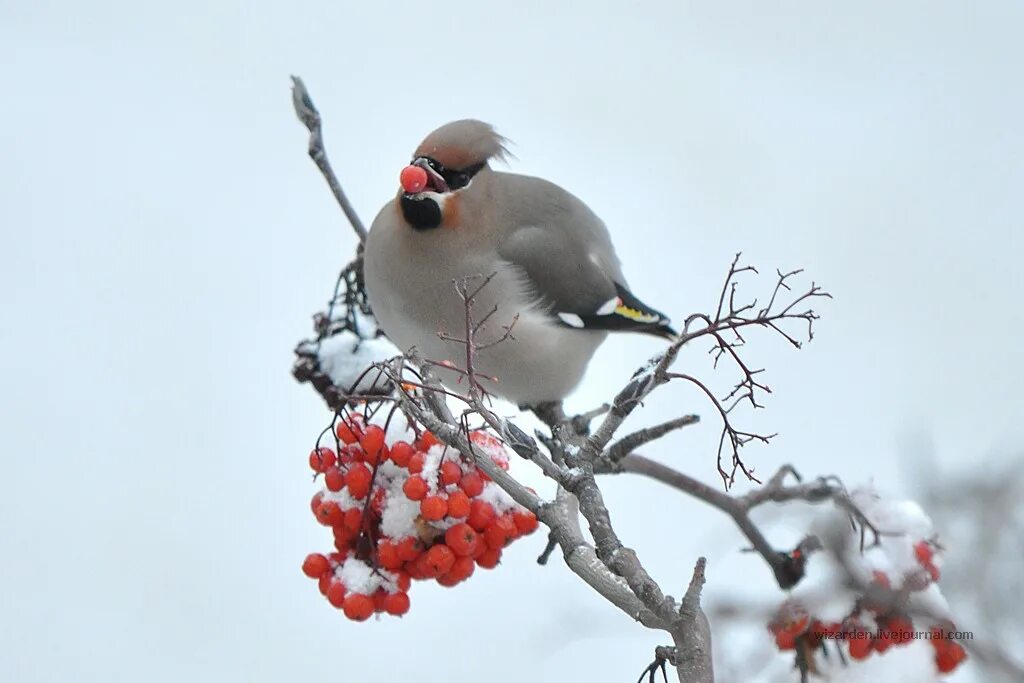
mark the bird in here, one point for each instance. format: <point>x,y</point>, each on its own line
<point>552,285</point>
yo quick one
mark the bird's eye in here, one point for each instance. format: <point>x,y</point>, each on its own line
<point>459,179</point>
<point>456,179</point>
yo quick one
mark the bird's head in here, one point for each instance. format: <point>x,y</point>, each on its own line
<point>443,168</point>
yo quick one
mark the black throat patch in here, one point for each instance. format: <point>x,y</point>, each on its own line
<point>421,213</point>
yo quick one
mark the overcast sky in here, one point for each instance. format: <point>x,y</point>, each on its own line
<point>164,240</point>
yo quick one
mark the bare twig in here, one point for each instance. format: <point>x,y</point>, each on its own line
<point>630,442</point>
<point>729,318</point>
<point>310,117</point>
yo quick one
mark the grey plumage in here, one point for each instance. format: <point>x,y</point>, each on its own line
<point>553,262</point>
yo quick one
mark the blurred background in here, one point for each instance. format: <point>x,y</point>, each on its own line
<point>165,240</point>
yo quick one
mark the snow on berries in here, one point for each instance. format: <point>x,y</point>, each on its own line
<point>404,507</point>
<point>896,575</point>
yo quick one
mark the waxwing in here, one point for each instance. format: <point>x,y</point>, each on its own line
<point>556,278</point>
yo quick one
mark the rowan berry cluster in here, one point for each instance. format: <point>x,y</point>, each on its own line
<point>876,623</point>
<point>406,510</point>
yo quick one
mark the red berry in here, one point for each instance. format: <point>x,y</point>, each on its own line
<point>378,456</point>
<point>336,594</point>
<point>400,453</point>
<point>881,578</point>
<point>353,522</point>
<point>449,472</point>
<point>472,484</point>
<point>372,442</point>
<point>346,432</point>
<point>316,502</point>
<point>900,628</point>
<point>439,559</point>
<point>499,531</point>
<point>860,644</point>
<point>486,441</point>
<point>358,607</point>
<point>415,488</point>
<point>462,540</point>
<point>315,565</point>
<point>325,583</point>
<point>458,505</point>
<point>403,581</point>
<point>358,481</point>
<point>334,479</point>
<point>396,603</point>
<point>489,559</point>
<point>342,536</point>
<point>387,555</point>
<point>462,569</point>
<point>426,442</point>
<point>409,549</point>
<point>416,463</point>
<point>923,552</point>
<point>419,569</point>
<point>525,521</point>
<point>321,458</point>
<point>352,453</point>
<point>330,514</point>
<point>481,514</point>
<point>379,596</point>
<point>785,640</point>
<point>821,630</point>
<point>447,580</point>
<point>433,508</point>
<point>507,524</point>
<point>949,657</point>
<point>413,179</point>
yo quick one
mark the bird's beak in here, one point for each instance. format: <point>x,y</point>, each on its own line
<point>434,179</point>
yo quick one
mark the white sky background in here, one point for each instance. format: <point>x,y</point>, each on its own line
<point>165,239</point>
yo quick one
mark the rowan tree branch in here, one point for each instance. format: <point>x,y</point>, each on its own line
<point>787,572</point>
<point>627,444</point>
<point>693,640</point>
<point>310,118</point>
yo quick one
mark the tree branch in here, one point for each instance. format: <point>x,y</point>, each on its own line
<point>310,117</point>
<point>787,572</point>
<point>693,639</point>
<point>631,442</point>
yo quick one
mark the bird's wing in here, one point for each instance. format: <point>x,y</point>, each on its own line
<point>567,259</point>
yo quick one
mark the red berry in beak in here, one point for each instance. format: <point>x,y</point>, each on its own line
<point>413,179</point>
